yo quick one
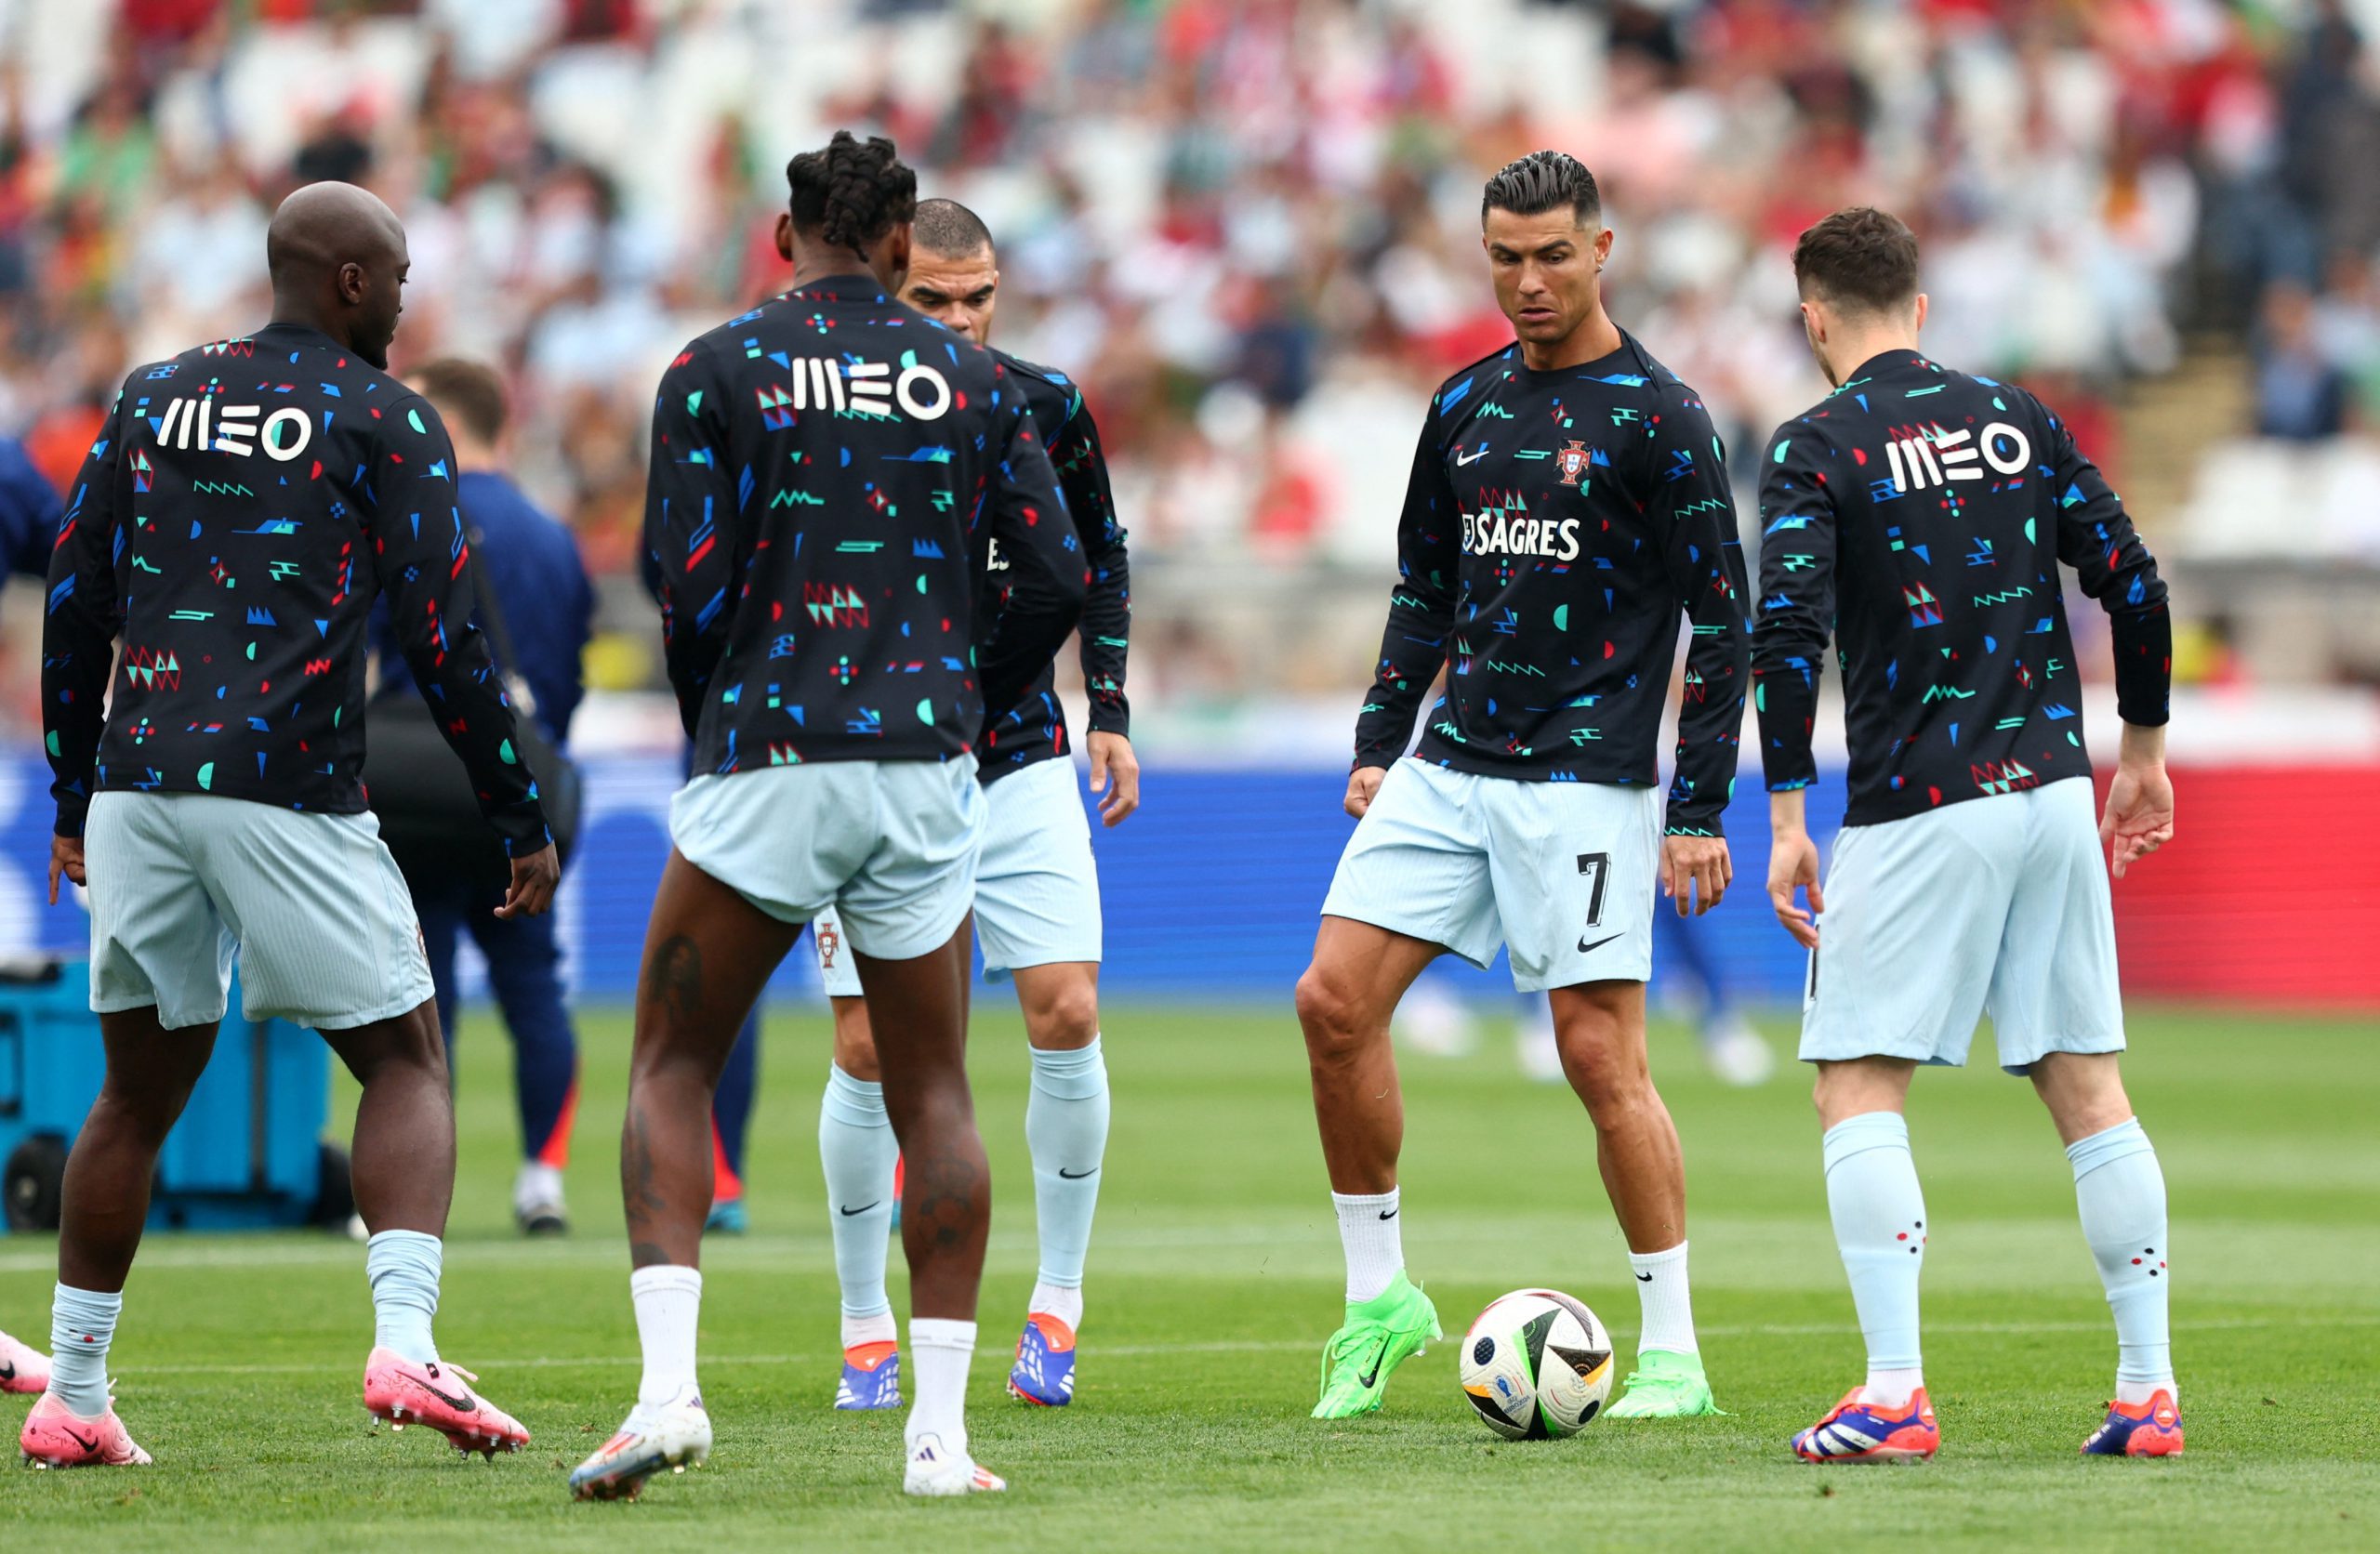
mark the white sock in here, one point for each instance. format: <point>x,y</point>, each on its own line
<point>878,1328</point>
<point>1373,1238</point>
<point>669,1308</point>
<point>1892,1389</point>
<point>940,1351</point>
<point>1664,1302</point>
<point>1063,1301</point>
<point>537,1185</point>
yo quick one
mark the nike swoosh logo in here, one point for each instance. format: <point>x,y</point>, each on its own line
<point>1459,461</point>
<point>1388,1214</point>
<point>9,1372</point>
<point>1644,1278</point>
<point>861,1209</point>
<point>90,1443</point>
<point>1584,946</point>
<point>463,1405</point>
<point>1078,1175</point>
<point>1373,1379</point>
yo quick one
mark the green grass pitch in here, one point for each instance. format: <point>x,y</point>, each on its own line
<point>1215,1277</point>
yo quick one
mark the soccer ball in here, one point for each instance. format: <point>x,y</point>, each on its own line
<point>1536,1364</point>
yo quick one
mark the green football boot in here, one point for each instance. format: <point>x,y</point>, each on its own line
<point>1665,1385</point>
<point>1381,1334</point>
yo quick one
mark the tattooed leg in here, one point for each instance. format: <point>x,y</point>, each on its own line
<point>707,955</point>
<point>918,1011</point>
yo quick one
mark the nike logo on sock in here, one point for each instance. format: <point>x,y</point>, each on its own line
<point>1388,1214</point>
<point>1077,1176</point>
<point>861,1209</point>
<point>1584,946</point>
<point>1644,1278</point>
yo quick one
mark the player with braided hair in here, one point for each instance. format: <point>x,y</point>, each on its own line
<point>829,472</point>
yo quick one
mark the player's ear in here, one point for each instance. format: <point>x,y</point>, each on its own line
<point>1603,247</point>
<point>1921,311</point>
<point>785,236</point>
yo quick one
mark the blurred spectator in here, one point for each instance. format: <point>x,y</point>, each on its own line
<point>2301,394</point>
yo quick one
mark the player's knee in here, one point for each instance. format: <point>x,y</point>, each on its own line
<point>1064,1020</point>
<point>1329,1010</point>
<point>1612,1090</point>
<point>854,1042</point>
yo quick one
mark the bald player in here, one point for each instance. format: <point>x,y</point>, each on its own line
<point>1037,893</point>
<point>243,505</point>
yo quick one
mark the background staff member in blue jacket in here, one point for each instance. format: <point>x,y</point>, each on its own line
<point>532,564</point>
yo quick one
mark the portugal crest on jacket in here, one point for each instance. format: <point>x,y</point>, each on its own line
<point>1572,461</point>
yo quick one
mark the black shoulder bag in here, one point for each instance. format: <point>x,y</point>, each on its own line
<point>422,792</point>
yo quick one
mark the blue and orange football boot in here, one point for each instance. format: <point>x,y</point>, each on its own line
<point>871,1377</point>
<point>1044,1373</point>
<point>1857,1431</point>
<point>2152,1429</point>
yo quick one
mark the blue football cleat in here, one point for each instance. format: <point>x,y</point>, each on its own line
<point>2152,1429</point>
<point>871,1377</point>
<point>727,1218</point>
<point>1044,1373</point>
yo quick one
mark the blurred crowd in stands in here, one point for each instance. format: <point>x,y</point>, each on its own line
<point>1249,226</point>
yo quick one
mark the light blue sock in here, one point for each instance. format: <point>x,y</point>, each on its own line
<point>1066,1125</point>
<point>2120,1191</point>
<point>857,1146</point>
<point>81,1325</point>
<point>402,1267</point>
<point>1879,1214</point>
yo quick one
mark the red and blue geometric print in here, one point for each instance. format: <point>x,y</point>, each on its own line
<point>1555,526</point>
<point>829,474</point>
<point>1917,518</point>
<point>216,528</point>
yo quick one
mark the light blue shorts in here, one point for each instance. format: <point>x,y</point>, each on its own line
<point>1561,874</point>
<point>312,905</point>
<point>889,846</point>
<point>1995,905</point>
<point>1036,889</point>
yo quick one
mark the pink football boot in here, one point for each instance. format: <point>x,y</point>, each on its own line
<point>55,1436</point>
<point>404,1393</point>
<point>22,1368</point>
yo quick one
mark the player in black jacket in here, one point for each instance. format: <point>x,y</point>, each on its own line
<point>1919,516</point>
<point>828,473</point>
<point>1036,894</point>
<point>1569,503</point>
<point>241,506</point>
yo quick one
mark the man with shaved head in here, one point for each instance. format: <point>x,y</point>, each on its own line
<point>241,506</point>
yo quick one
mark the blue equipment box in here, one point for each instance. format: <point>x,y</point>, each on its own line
<point>247,1153</point>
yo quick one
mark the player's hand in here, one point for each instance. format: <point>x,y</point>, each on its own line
<point>1362,784</point>
<point>1696,869</point>
<point>535,877</point>
<point>1793,864</point>
<point>65,858</point>
<point>2139,817</point>
<point>1111,757</point>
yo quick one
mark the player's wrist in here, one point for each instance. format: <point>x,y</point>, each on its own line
<point>2141,746</point>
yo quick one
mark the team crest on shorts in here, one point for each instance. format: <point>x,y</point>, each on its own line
<point>830,944</point>
<point>1572,461</point>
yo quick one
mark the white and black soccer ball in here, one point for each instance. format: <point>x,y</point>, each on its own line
<point>1536,1365</point>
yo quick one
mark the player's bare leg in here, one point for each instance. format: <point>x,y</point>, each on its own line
<point>403,1174</point>
<point>707,953</point>
<point>1345,1001</point>
<point>2119,1189</point>
<point>1599,1027</point>
<point>918,1011</point>
<point>150,1071</point>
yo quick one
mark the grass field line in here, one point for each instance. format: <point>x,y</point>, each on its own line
<point>1266,1346</point>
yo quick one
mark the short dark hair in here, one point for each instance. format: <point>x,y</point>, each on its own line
<point>1860,258</point>
<point>1540,181</point>
<point>464,391</point>
<point>950,229</point>
<point>852,191</point>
